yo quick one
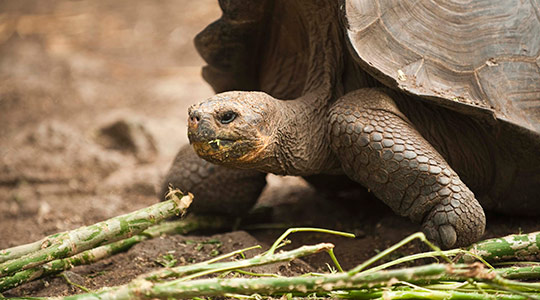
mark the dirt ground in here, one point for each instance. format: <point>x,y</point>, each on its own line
<point>93,101</point>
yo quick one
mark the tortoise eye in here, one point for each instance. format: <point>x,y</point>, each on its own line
<point>227,117</point>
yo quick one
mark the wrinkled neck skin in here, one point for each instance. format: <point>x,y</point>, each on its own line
<point>302,137</point>
<point>298,142</point>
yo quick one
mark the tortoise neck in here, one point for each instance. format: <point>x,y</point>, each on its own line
<point>300,144</point>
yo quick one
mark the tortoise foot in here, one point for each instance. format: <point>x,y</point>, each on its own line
<point>457,221</point>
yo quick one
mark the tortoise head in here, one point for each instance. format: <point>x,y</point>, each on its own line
<point>232,128</point>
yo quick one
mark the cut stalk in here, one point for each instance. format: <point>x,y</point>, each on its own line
<point>76,241</point>
<point>18,251</point>
<point>522,247</point>
<point>133,289</point>
<point>142,288</point>
<point>421,294</point>
<point>512,247</point>
<point>93,255</point>
<point>523,273</point>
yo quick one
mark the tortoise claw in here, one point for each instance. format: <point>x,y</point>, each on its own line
<point>445,236</point>
<point>452,224</point>
<point>448,235</point>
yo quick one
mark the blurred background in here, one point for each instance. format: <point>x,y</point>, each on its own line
<point>93,101</point>
<point>93,107</point>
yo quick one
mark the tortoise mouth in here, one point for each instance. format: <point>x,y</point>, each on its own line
<point>209,137</point>
<point>214,147</point>
<point>222,150</point>
<point>216,144</point>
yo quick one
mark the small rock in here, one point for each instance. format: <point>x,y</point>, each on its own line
<point>131,137</point>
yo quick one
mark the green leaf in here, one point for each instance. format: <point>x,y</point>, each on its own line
<point>167,260</point>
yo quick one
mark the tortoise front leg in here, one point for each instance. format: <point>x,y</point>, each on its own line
<point>379,148</point>
<point>216,189</point>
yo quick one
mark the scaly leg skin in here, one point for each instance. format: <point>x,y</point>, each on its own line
<point>216,189</point>
<point>379,148</point>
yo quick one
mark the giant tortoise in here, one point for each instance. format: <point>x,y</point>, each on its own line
<point>434,106</point>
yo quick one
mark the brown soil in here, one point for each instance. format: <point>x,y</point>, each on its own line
<point>93,100</point>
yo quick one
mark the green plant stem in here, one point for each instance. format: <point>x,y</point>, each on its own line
<point>196,270</point>
<point>422,294</point>
<point>408,258</point>
<point>418,235</point>
<point>513,247</point>
<point>431,254</point>
<point>89,256</point>
<point>72,242</point>
<point>444,281</point>
<point>142,288</point>
<point>18,251</point>
<point>60,265</point>
<point>66,278</point>
<point>526,246</point>
<point>334,260</point>
<point>255,274</point>
<point>304,229</point>
<point>133,289</point>
<point>522,273</point>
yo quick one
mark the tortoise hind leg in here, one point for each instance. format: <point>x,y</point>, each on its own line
<point>379,148</point>
<point>216,189</point>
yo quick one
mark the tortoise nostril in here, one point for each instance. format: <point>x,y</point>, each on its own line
<point>195,117</point>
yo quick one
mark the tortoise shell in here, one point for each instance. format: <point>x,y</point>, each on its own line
<point>478,57</point>
<point>469,55</point>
